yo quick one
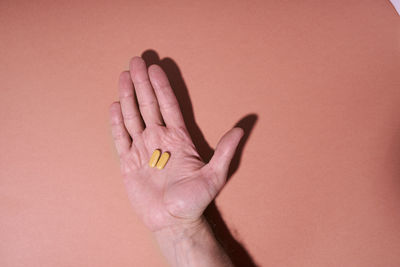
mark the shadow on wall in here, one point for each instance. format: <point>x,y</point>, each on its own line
<point>235,250</point>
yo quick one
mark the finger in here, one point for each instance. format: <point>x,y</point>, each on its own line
<point>167,101</point>
<point>147,100</point>
<point>224,152</point>
<point>120,135</point>
<point>131,115</point>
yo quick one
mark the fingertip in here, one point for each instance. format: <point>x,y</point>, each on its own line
<point>114,106</point>
<point>115,112</point>
<point>158,77</point>
<point>136,58</point>
<point>136,61</point>
<point>240,132</point>
<point>234,134</point>
<point>138,70</point>
<point>125,84</point>
<point>153,68</point>
<point>124,76</point>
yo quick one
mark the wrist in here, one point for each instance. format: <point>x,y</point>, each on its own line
<point>191,244</point>
<point>181,231</point>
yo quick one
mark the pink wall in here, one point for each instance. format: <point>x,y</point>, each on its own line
<point>318,182</point>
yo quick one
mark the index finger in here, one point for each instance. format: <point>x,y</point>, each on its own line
<point>167,101</point>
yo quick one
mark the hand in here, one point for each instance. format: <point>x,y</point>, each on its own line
<point>179,193</point>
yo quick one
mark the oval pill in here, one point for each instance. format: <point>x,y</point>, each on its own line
<point>163,160</point>
<point>154,158</point>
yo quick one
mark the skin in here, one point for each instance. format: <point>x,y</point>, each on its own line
<point>171,201</point>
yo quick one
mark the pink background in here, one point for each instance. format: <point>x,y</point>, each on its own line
<point>318,182</point>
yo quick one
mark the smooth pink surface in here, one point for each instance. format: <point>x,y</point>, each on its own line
<point>319,179</point>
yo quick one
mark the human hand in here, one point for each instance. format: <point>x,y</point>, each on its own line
<point>178,194</point>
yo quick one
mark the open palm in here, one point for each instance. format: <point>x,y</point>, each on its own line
<point>181,191</point>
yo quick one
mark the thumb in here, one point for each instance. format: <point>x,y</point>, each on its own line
<point>225,150</point>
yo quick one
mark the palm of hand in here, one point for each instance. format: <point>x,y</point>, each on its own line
<point>181,191</point>
<point>175,194</point>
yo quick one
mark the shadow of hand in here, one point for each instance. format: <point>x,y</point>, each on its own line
<point>236,251</point>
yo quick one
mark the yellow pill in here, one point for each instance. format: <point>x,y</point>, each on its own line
<point>154,158</point>
<point>163,160</point>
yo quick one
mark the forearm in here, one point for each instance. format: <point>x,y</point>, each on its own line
<point>192,245</point>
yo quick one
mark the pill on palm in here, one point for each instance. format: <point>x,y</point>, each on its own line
<point>154,158</point>
<point>163,160</point>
